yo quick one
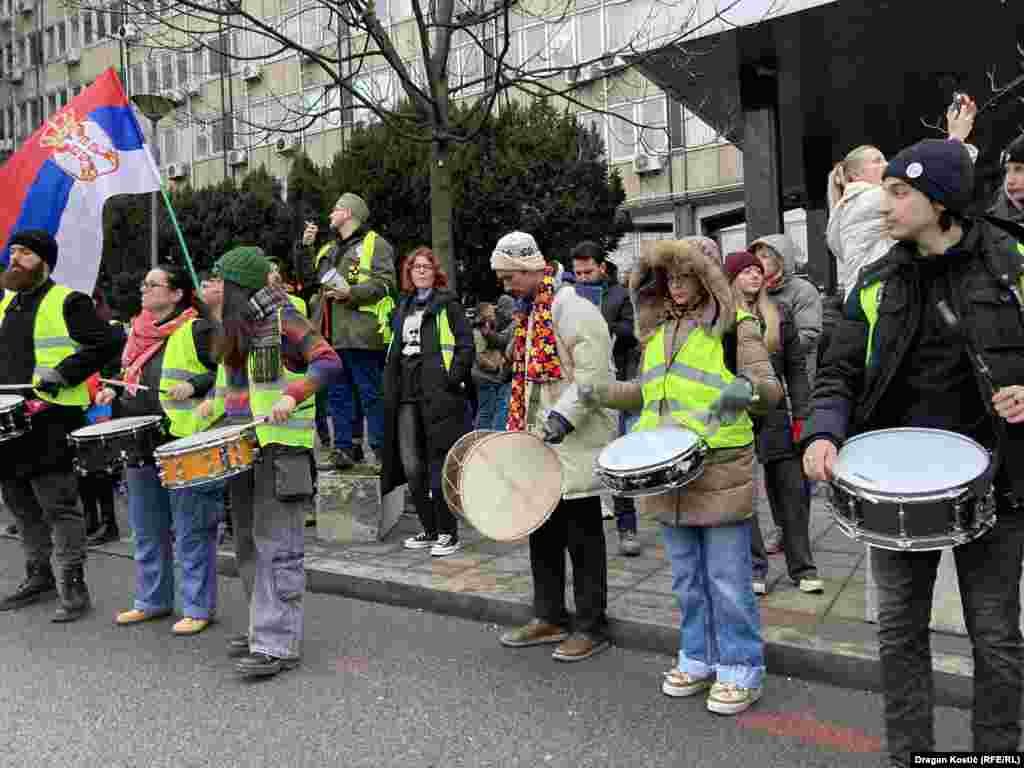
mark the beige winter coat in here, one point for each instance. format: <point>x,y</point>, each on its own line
<point>584,349</point>
<point>724,493</point>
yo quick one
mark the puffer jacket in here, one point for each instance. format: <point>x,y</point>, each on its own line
<point>585,351</point>
<point>774,438</point>
<point>798,295</point>
<point>724,493</point>
<point>856,231</point>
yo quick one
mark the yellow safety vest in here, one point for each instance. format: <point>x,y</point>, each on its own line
<point>445,338</point>
<point>382,309</point>
<point>298,430</point>
<point>53,344</point>
<point>299,304</point>
<point>689,386</point>
<point>181,363</point>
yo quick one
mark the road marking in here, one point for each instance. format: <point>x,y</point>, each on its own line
<point>807,728</point>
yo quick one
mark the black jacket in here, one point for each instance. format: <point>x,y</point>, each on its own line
<point>446,394</point>
<point>849,390</point>
<point>774,438</point>
<point>45,448</point>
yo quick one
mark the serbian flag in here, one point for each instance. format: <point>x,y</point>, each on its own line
<point>61,177</point>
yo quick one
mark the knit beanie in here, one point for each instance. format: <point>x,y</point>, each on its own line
<point>517,251</point>
<point>245,266</point>
<point>356,204</point>
<point>738,261</point>
<point>40,242</point>
<point>1014,152</point>
<point>940,169</point>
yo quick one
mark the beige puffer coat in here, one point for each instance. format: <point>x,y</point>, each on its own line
<point>724,493</point>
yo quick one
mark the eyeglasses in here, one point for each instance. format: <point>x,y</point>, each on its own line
<point>146,284</point>
<point>421,268</point>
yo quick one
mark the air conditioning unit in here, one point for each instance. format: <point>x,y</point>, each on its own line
<point>177,97</point>
<point>252,72</point>
<point>177,170</point>
<point>192,88</point>
<point>74,56</point>
<point>5,18</point>
<point>16,75</point>
<point>25,6</point>
<point>647,163</point>
<point>237,157</point>
<point>7,145</point>
<point>287,144</point>
<point>127,32</point>
<point>572,75</point>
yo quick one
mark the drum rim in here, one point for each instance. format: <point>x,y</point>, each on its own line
<point>144,421</point>
<point>699,446</point>
<point>15,401</point>
<point>936,494</point>
<point>213,442</point>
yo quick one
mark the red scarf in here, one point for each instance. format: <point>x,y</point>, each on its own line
<point>145,340</point>
<point>542,364</point>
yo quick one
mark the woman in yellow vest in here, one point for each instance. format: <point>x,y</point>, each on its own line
<point>703,367</point>
<point>169,352</point>
<point>426,396</point>
<point>273,360</point>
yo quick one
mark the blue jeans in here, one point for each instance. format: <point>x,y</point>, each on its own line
<point>362,371</point>
<point>721,627</point>
<point>492,412</point>
<point>194,514</point>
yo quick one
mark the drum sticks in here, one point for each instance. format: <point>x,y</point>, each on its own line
<point>116,383</point>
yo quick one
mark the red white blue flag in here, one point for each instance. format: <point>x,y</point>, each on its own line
<point>62,176</point>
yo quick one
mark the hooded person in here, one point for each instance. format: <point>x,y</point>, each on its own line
<point>779,257</point>
<point>560,343</point>
<point>274,360</point>
<point>704,369</point>
<point>1009,203</point>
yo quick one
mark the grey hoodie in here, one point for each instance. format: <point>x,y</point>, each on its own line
<point>798,295</point>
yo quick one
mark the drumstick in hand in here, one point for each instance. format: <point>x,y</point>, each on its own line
<point>116,383</point>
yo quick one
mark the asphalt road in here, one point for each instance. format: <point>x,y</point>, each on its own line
<point>383,686</point>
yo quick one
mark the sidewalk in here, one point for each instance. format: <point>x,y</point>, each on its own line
<point>821,637</point>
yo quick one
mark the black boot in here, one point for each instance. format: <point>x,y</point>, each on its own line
<point>105,534</point>
<point>38,585</point>
<point>262,665</point>
<point>73,594</point>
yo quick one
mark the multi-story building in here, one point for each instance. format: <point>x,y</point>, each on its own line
<point>241,102</point>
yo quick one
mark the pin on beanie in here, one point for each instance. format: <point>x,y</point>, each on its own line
<point>940,170</point>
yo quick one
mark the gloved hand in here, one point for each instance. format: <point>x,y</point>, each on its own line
<point>50,382</point>
<point>735,398</point>
<point>556,427</point>
<point>798,429</point>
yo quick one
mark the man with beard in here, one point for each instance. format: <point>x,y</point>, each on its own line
<point>50,336</point>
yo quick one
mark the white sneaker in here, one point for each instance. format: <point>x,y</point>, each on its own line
<point>680,684</point>
<point>812,586</point>
<point>420,541</point>
<point>730,699</point>
<point>446,544</point>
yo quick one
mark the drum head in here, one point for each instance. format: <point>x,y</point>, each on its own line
<point>116,426</point>
<point>507,483</point>
<point>10,401</point>
<point>910,461</point>
<point>199,439</point>
<point>649,448</point>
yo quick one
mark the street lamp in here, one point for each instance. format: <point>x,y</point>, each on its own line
<point>154,107</point>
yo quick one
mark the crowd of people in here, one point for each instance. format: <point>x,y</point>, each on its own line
<point>728,347</point>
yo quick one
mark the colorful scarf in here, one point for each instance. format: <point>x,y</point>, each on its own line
<point>145,340</point>
<point>542,364</point>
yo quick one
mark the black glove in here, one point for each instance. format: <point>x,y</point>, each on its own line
<point>50,382</point>
<point>556,428</point>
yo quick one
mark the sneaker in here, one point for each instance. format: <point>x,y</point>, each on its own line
<point>420,541</point>
<point>579,646</point>
<point>813,586</point>
<point>262,665</point>
<point>447,543</point>
<point>238,646</point>
<point>629,544</point>
<point>190,626</point>
<point>537,632</point>
<point>730,699</point>
<point>681,684</point>
<point>39,585</point>
<point>760,586</point>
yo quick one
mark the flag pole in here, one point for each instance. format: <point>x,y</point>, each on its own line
<point>181,238</point>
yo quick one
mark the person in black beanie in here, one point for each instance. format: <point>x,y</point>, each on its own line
<point>894,363</point>
<point>1009,204</point>
<point>50,336</point>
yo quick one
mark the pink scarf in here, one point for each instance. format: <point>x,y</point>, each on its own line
<point>145,340</point>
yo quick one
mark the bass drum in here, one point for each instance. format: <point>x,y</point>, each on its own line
<point>505,484</point>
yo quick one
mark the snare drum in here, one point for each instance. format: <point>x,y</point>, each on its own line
<point>651,462</point>
<point>111,445</point>
<point>207,457</point>
<point>910,489</point>
<point>14,417</point>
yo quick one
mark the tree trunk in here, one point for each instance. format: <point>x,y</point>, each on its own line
<point>441,219</point>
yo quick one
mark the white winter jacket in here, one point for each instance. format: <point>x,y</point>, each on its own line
<point>856,231</point>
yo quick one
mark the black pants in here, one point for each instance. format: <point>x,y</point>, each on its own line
<point>791,510</point>
<point>988,572</point>
<point>97,494</point>
<point>431,507</point>
<point>49,517</point>
<point>575,525</point>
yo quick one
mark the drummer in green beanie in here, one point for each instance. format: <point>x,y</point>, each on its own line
<point>273,360</point>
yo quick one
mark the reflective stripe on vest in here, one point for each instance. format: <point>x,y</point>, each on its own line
<point>53,344</point>
<point>298,430</point>
<point>689,386</point>
<point>446,339</point>
<point>181,363</point>
<point>299,304</point>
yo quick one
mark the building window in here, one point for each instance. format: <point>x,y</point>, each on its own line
<point>51,43</point>
<point>51,103</point>
<point>62,38</point>
<point>87,34</point>
<point>73,38</point>
<point>168,146</point>
<point>182,61</point>
<point>135,84</point>
<point>167,70</point>
<point>101,25</point>
<point>152,75</point>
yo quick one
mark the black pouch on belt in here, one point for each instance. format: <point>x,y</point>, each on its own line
<point>293,475</point>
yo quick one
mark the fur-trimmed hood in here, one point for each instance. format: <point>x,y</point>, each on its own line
<point>648,284</point>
